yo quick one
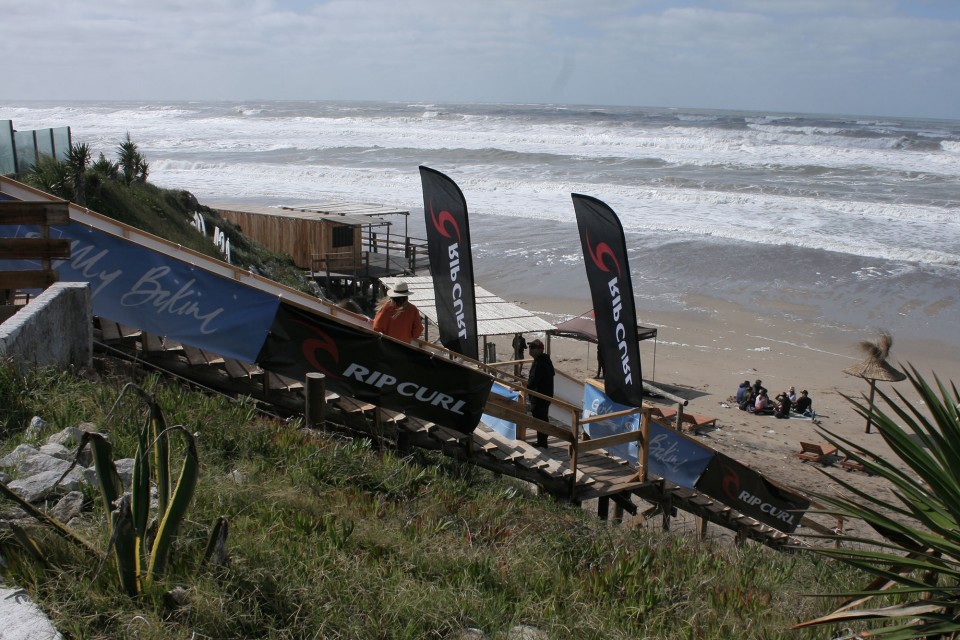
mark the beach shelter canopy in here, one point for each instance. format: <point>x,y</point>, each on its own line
<point>872,370</point>
<point>875,367</point>
<point>495,316</point>
<point>584,327</point>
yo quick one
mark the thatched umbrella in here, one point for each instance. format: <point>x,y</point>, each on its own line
<point>875,367</point>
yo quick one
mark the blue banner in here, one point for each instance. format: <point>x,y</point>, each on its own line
<point>671,455</point>
<point>503,427</point>
<point>146,289</point>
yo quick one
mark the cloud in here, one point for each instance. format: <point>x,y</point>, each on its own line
<point>821,55</point>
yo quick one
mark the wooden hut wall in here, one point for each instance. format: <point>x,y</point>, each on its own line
<point>344,259</point>
<point>299,238</point>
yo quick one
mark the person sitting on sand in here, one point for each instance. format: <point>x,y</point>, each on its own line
<point>742,390</point>
<point>804,405</point>
<point>792,395</point>
<point>748,399</point>
<point>397,317</point>
<point>761,405</point>
<point>782,409</point>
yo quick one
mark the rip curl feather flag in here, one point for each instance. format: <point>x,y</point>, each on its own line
<point>451,262</point>
<point>608,273</point>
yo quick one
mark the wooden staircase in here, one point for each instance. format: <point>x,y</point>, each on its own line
<point>599,475</point>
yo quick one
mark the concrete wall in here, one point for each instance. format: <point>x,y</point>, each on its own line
<point>54,329</point>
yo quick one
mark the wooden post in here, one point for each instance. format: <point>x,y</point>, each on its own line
<point>644,445</point>
<point>618,512</point>
<point>316,400</point>
<point>873,388</point>
<point>574,450</point>
<point>703,528</point>
<point>603,507</point>
<point>403,442</point>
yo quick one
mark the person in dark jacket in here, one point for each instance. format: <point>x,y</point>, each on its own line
<point>804,405</point>
<point>541,381</point>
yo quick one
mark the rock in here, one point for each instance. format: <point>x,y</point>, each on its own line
<point>57,451</point>
<point>468,634</point>
<point>4,478</point>
<point>68,508</point>
<point>14,458</point>
<point>40,463</point>
<point>238,476</point>
<point>64,449</point>
<point>34,431</point>
<point>177,598</point>
<point>125,471</point>
<point>21,619</point>
<point>70,437</point>
<point>90,475</point>
<point>36,487</point>
<point>526,632</point>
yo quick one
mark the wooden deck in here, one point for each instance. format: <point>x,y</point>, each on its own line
<point>371,266</point>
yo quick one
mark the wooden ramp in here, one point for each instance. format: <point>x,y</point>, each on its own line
<point>599,475</point>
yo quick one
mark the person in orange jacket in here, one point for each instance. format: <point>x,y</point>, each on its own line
<point>397,317</point>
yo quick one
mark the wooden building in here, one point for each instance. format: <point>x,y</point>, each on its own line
<point>336,232</point>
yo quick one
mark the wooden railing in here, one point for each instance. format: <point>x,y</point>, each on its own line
<point>42,248</point>
<point>413,250</point>
<point>340,262</point>
<point>572,431</point>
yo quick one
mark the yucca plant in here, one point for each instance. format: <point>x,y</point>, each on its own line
<point>917,563</point>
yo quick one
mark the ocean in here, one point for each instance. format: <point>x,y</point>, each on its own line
<point>847,221</point>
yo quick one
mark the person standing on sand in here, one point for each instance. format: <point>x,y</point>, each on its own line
<point>541,381</point>
<point>397,317</point>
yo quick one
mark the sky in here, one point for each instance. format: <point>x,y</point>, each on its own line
<point>869,57</point>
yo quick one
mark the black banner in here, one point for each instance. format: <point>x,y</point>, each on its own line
<point>367,367</point>
<point>741,488</point>
<point>605,258</point>
<point>451,262</point>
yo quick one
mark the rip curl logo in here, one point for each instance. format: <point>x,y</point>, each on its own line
<point>599,253</point>
<point>731,483</point>
<point>441,223</point>
<point>324,344</point>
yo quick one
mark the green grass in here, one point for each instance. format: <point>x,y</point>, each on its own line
<point>329,537</point>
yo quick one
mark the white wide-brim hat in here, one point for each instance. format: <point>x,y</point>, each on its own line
<point>399,290</point>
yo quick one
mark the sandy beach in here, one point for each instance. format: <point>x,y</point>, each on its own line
<point>703,355</point>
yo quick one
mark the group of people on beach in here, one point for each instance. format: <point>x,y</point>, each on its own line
<point>755,399</point>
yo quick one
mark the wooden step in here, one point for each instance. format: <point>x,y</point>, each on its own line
<point>349,405</point>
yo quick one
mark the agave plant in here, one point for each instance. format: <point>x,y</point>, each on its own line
<point>140,545</point>
<point>917,562</point>
<point>130,512</point>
